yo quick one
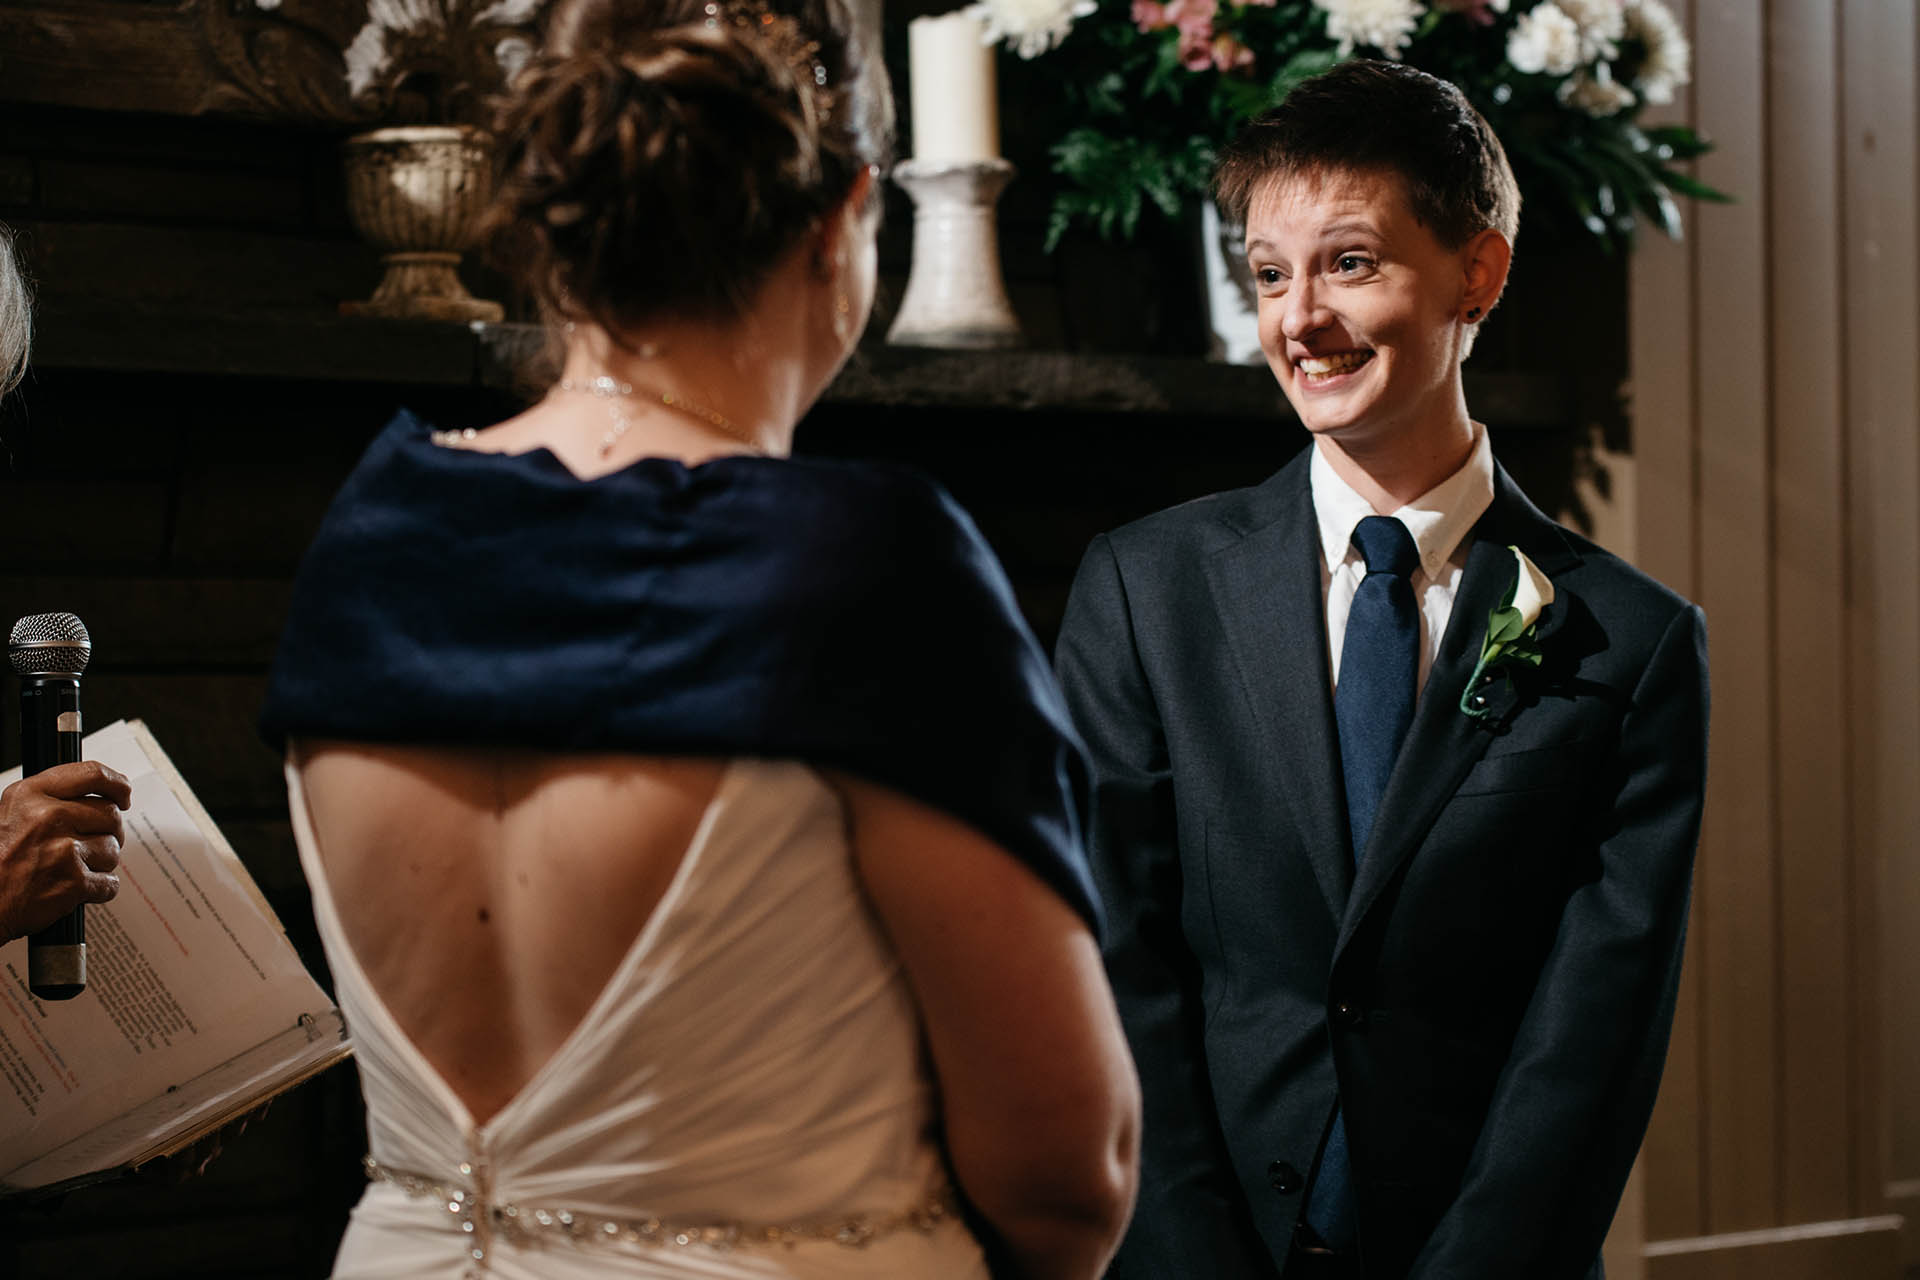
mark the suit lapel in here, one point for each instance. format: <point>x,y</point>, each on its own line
<point>1443,743</point>
<point>1267,593</point>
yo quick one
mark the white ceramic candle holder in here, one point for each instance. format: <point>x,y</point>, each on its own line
<point>955,296</point>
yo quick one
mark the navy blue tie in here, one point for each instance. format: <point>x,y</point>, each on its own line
<point>1372,707</point>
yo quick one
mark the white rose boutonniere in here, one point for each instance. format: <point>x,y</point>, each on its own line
<point>1512,633</point>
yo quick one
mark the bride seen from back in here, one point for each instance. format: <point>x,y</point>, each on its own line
<point>694,830</point>
<point>689,192</point>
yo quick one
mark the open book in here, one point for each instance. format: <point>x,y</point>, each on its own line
<point>197,1008</point>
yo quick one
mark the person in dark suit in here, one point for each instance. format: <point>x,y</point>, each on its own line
<point>1396,782</point>
<point>60,829</point>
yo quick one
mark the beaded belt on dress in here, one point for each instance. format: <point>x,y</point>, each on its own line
<point>484,1220</point>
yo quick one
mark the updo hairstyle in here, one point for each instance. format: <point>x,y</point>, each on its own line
<point>660,157</point>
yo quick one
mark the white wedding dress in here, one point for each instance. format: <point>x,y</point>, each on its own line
<point>752,1068</point>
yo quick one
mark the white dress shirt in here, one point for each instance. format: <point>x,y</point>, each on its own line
<point>1440,520</point>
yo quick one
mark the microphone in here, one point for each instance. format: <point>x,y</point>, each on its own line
<point>48,652</point>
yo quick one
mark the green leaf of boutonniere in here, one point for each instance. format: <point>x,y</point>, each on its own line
<point>1504,626</point>
<point>1512,637</point>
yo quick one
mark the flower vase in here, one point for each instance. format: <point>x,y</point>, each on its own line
<point>417,192</point>
<point>1233,321</point>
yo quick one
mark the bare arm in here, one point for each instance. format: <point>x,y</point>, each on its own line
<point>1039,1102</point>
<point>59,843</point>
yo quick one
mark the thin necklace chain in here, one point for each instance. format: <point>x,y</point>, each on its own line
<point>613,390</point>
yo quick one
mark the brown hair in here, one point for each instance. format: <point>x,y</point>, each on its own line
<point>16,317</point>
<point>660,156</point>
<point>1382,117</point>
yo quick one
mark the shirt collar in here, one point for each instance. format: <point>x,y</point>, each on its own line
<point>1438,519</point>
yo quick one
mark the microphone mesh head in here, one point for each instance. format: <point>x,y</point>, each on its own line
<point>45,643</point>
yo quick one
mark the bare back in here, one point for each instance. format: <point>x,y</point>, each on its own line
<point>490,895</point>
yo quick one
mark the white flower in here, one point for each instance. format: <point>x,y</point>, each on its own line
<point>513,54</point>
<point>1668,54</point>
<point>1030,27</point>
<point>1386,25</point>
<point>510,12</point>
<point>1596,92</point>
<point>1544,39</point>
<point>368,57</point>
<point>1601,23</point>
<point>1532,589</point>
<point>392,25</point>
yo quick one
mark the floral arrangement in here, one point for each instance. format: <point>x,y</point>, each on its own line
<point>438,61</point>
<point>1157,85</point>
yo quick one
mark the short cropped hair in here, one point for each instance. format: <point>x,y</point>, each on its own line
<point>16,316</point>
<point>1369,116</point>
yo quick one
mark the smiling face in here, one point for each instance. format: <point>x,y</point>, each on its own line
<point>1363,311</point>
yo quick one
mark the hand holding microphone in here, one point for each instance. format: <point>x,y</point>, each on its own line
<point>60,824</point>
<point>60,837</point>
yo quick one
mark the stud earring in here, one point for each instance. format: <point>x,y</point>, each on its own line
<point>1473,314</point>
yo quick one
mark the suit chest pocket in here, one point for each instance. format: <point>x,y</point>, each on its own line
<point>1554,768</point>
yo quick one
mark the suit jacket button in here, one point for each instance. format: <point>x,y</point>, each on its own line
<point>1285,1178</point>
<point>1347,1015</point>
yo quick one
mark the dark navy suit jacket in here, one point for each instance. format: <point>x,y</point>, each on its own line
<point>1489,993</point>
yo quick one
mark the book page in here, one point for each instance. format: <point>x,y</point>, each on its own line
<point>178,1117</point>
<point>186,970</point>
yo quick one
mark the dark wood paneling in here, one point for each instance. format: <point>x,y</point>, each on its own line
<point>90,53</point>
<point>105,523</point>
<point>181,57</point>
<point>16,180</point>
<point>251,517</point>
<point>165,194</point>
<point>206,723</point>
<point>194,267</point>
<point>163,622</point>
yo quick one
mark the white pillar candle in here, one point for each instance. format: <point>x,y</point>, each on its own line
<point>956,115</point>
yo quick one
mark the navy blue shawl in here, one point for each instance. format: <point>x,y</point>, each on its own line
<point>845,615</point>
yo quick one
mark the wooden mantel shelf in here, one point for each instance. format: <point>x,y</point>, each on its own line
<point>317,346</point>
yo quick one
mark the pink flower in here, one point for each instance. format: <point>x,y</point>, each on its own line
<point>1229,54</point>
<point>1195,16</point>
<point>1195,20</point>
<point>1196,51</point>
<point>1149,15</point>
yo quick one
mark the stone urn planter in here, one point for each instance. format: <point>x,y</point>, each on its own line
<point>416,192</point>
